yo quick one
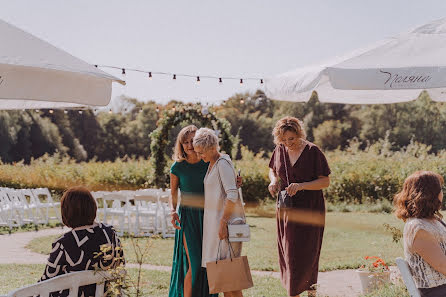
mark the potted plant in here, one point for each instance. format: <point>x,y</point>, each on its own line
<point>373,273</point>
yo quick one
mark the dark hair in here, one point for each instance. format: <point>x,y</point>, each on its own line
<point>78,207</point>
<point>419,196</point>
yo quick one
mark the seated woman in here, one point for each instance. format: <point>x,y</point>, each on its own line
<point>75,250</point>
<point>418,205</point>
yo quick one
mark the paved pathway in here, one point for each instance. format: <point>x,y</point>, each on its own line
<point>13,251</point>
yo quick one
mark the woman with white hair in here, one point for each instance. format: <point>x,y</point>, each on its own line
<point>188,277</point>
<point>222,202</point>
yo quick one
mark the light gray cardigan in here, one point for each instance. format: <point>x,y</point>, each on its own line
<point>219,186</point>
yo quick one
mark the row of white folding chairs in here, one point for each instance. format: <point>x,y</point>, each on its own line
<point>23,206</point>
<point>141,212</point>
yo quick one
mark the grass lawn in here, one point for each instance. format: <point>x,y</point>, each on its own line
<point>348,238</point>
<point>156,283</point>
<point>29,227</point>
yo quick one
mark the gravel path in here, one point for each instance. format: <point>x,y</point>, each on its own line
<point>13,251</point>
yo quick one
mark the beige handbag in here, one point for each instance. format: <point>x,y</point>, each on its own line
<point>229,275</point>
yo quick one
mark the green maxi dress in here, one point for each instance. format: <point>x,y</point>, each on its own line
<point>191,212</point>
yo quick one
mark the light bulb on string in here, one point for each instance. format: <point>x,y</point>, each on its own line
<point>198,79</point>
<point>51,111</point>
<point>261,81</point>
<point>123,71</point>
<point>65,111</point>
<point>241,81</point>
<point>37,110</point>
<point>80,111</point>
<point>150,75</point>
<point>220,80</point>
<point>242,101</point>
<point>110,111</point>
<point>157,109</point>
<point>140,110</point>
<point>174,76</point>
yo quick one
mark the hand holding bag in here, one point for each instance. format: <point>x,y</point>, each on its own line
<point>284,200</point>
<point>238,229</point>
<point>228,275</point>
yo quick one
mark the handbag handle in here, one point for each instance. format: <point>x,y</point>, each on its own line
<point>238,190</point>
<point>286,167</point>
<point>219,248</point>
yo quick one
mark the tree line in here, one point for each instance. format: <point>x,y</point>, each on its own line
<point>102,136</point>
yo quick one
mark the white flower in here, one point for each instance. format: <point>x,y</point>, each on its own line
<point>205,110</point>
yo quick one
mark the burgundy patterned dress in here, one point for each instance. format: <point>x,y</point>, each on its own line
<point>300,228</point>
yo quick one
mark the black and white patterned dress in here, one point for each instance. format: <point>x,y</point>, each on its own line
<point>75,251</point>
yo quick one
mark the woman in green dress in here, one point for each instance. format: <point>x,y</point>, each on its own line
<point>187,173</point>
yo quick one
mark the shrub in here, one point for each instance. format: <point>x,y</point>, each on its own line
<point>372,176</point>
<point>377,174</point>
<point>331,134</point>
<point>254,168</point>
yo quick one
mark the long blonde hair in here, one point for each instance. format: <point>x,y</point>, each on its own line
<point>179,154</point>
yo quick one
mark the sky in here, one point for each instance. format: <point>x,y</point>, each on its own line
<point>235,38</point>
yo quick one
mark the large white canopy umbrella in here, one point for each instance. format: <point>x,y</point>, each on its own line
<point>393,70</point>
<point>35,74</point>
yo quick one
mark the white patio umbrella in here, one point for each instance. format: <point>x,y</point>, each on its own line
<point>393,70</point>
<point>35,74</point>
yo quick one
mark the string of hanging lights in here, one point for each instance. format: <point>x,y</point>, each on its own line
<point>174,76</point>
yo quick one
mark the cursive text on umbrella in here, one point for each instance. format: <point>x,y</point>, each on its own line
<point>395,78</point>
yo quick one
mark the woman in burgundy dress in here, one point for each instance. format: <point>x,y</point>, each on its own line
<point>299,171</point>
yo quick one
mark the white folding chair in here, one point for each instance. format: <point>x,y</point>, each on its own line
<point>40,211</point>
<point>20,206</point>
<point>98,197</point>
<point>167,230</point>
<point>47,201</point>
<point>146,214</point>
<point>9,216</point>
<point>71,281</point>
<point>115,206</point>
<point>404,268</point>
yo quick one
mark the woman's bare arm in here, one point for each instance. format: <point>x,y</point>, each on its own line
<point>173,201</point>
<point>273,187</point>
<point>174,184</point>
<point>318,184</point>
